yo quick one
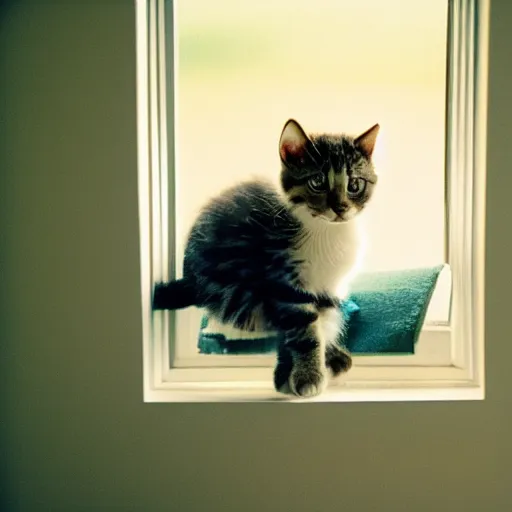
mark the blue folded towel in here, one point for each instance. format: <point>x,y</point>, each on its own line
<point>384,315</point>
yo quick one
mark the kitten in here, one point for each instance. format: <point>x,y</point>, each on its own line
<point>267,260</point>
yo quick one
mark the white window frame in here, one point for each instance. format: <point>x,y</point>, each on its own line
<point>450,365</point>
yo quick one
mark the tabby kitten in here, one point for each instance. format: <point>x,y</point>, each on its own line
<point>280,260</point>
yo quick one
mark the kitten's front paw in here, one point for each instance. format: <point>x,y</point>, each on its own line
<point>337,360</point>
<point>307,382</point>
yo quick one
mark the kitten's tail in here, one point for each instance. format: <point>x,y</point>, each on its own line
<point>174,295</point>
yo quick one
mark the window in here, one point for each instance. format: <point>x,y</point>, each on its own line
<point>416,68</point>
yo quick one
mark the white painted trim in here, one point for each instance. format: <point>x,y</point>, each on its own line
<point>479,207</point>
<point>418,379</point>
<point>374,392</point>
<point>198,378</point>
<point>466,149</point>
<point>143,188</point>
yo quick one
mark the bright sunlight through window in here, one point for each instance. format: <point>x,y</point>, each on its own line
<point>243,68</point>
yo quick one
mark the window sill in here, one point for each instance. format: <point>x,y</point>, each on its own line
<point>394,378</point>
<point>374,391</point>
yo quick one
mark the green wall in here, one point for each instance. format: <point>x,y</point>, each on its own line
<point>74,432</point>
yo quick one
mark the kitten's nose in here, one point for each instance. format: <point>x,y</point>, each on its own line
<point>340,208</point>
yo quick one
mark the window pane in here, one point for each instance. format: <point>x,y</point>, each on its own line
<point>245,67</point>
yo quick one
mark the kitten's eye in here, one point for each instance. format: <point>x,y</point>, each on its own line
<point>317,182</point>
<point>356,186</point>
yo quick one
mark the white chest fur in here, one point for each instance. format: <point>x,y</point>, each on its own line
<point>331,254</point>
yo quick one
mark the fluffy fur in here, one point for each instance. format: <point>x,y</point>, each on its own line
<point>260,259</point>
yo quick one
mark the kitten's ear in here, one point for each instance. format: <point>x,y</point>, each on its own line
<point>295,147</point>
<point>366,141</point>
